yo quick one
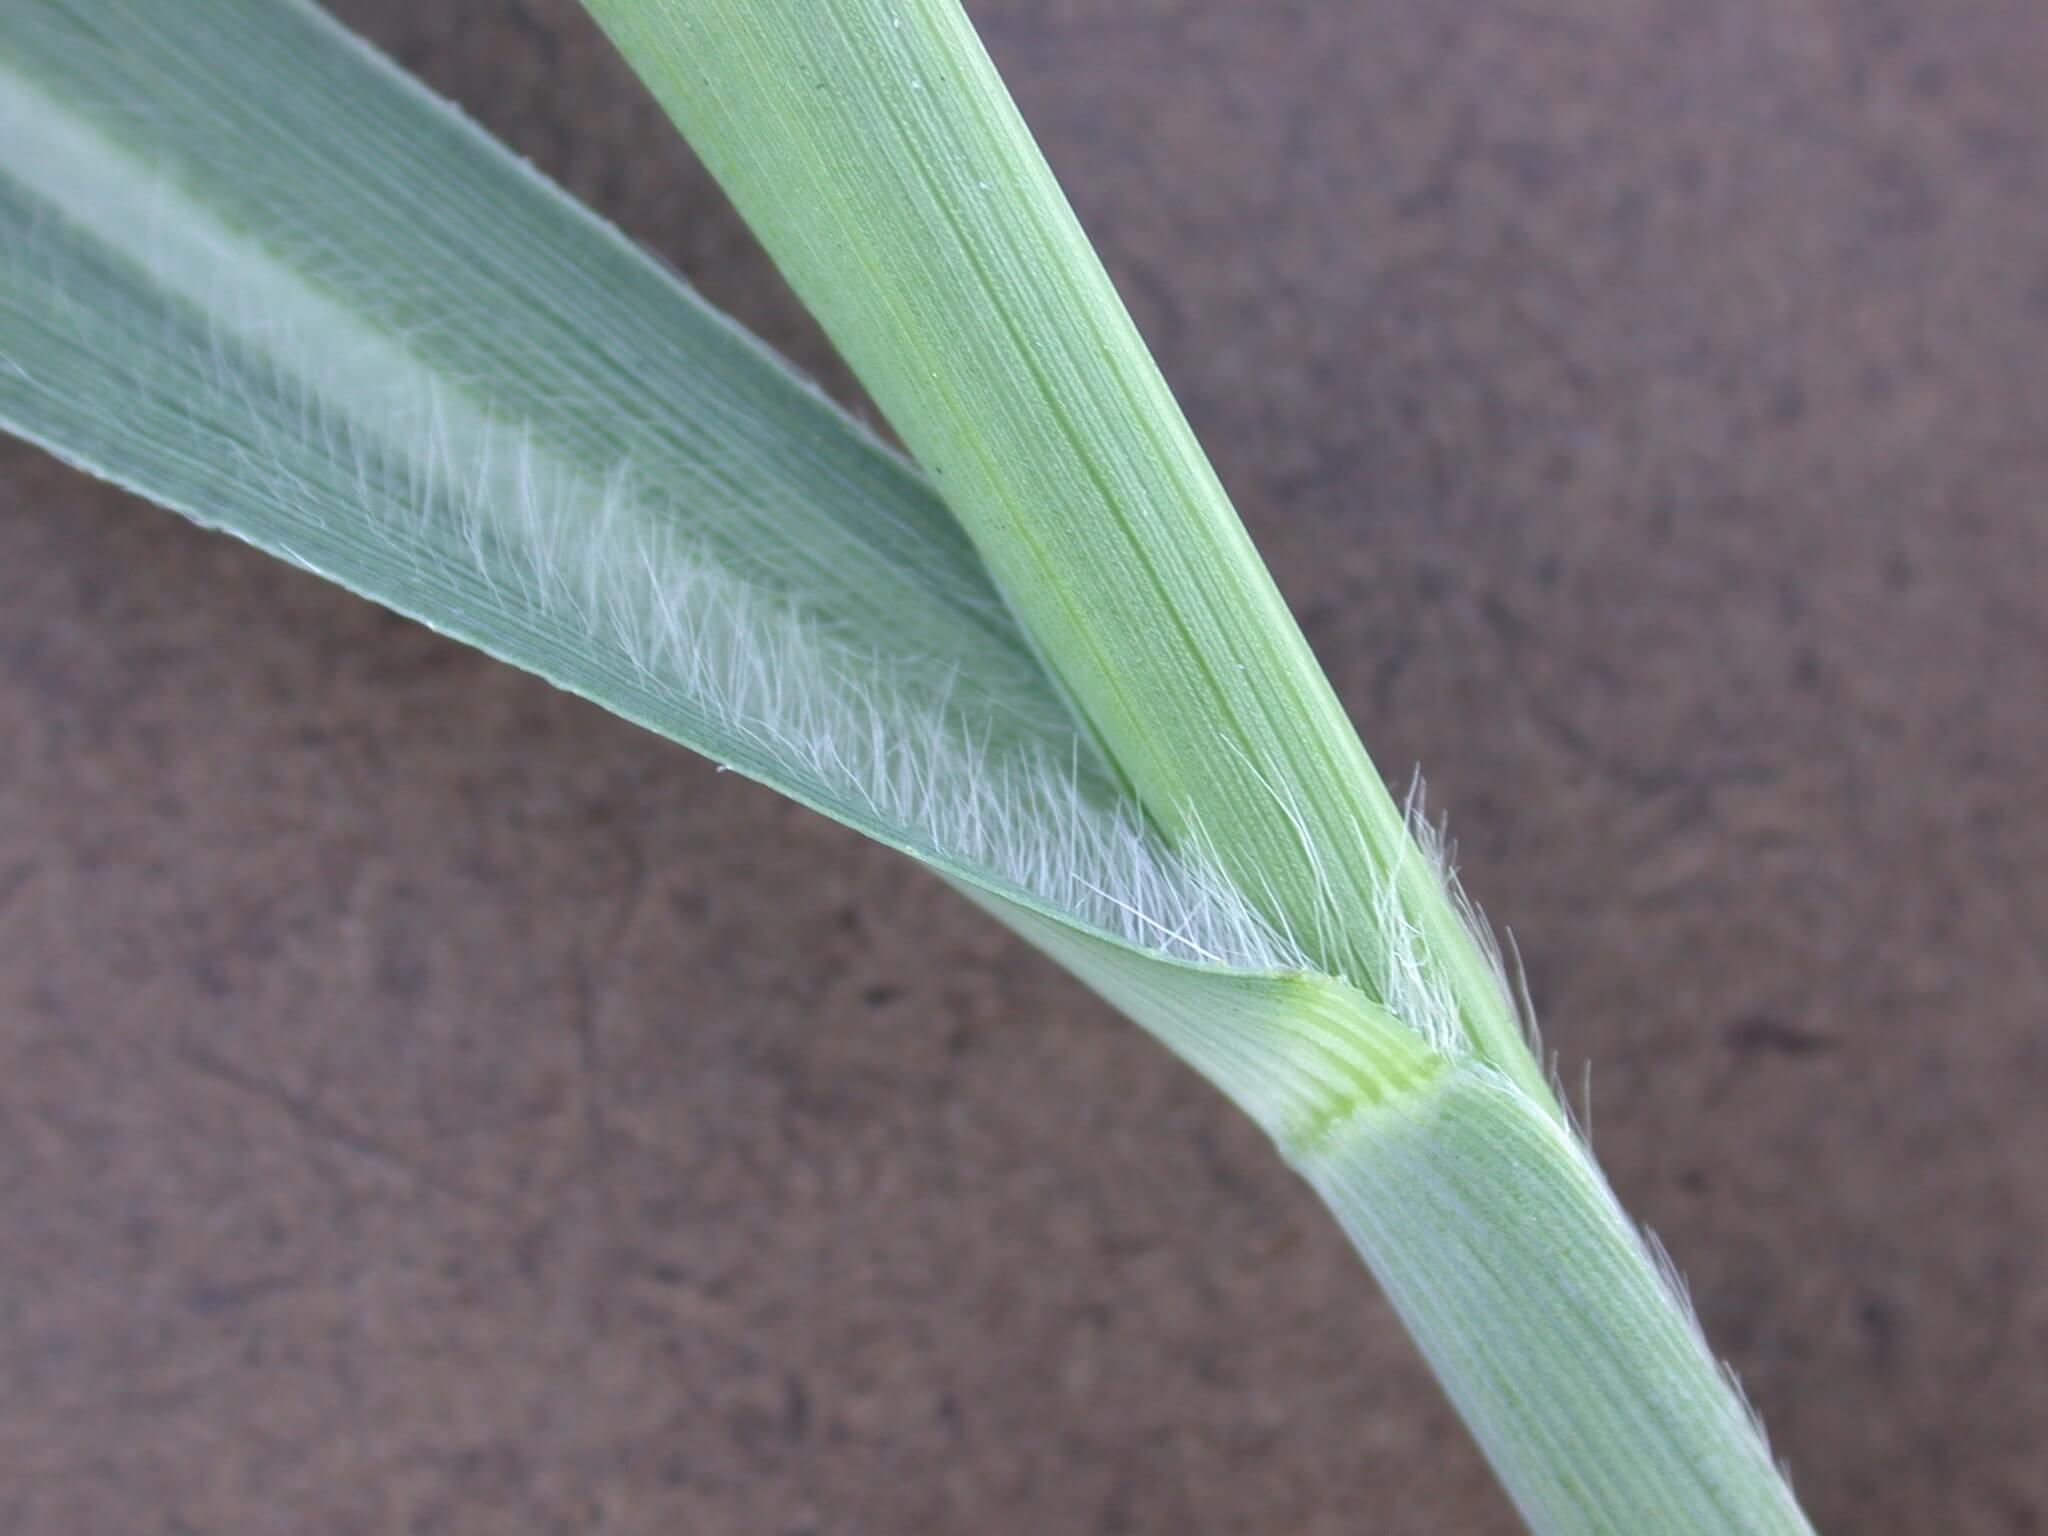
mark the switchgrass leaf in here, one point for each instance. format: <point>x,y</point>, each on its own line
<point>252,271</point>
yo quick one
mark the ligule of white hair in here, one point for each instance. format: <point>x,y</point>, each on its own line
<point>343,429</point>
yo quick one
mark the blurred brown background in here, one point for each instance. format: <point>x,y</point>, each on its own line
<point>429,1105</point>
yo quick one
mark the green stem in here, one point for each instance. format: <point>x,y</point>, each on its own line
<point>1583,1377</point>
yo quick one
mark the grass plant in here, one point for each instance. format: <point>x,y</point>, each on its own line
<point>250,270</point>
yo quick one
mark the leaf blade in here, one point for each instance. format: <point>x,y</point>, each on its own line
<point>211,293</point>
